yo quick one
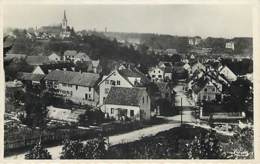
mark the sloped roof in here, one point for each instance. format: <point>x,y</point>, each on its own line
<point>30,76</point>
<point>125,96</point>
<point>82,54</point>
<point>70,53</point>
<point>37,60</point>
<point>76,78</point>
<point>12,56</point>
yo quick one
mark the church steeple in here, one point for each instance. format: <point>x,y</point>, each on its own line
<point>64,21</point>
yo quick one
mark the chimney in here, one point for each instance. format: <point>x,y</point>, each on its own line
<point>64,69</point>
<point>73,69</point>
<point>49,70</point>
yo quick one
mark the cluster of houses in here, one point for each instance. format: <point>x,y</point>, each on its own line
<point>121,94</point>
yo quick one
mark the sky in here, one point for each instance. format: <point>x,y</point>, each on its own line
<point>184,20</point>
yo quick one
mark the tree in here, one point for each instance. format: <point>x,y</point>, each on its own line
<point>92,149</point>
<point>242,145</point>
<point>206,146</point>
<point>38,152</point>
<point>36,112</point>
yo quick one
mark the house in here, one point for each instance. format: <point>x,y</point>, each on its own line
<point>30,78</point>
<point>156,74</point>
<point>179,72</point>
<point>121,78</point>
<point>230,75</point>
<point>194,40</point>
<point>96,66</point>
<point>230,45</point>
<point>81,56</point>
<point>72,55</point>
<point>37,60</point>
<point>54,57</point>
<point>206,89</point>
<point>79,87</point>
<point>38,70</point>
<point>220,112</point>
<point>14,56</point>
<point>167,73</point>
<point>187,67</point>
<point>123,102</point>
<point>64,115</point>
<point>198,66</point>
<point>171,52</point>
<point>164,64</point>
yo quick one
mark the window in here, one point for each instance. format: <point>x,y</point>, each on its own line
<point>132,113</point>
<point>118,82</point>
<point>112,111</point>
<point>86,96</point>
<point>143,100</point>
<point>205,89</point>
<point>160,76</point>
<point>112,82</point>
<point>153,71</point>
<point>213,89</point>
<point>106,90</point>
<point>89,89</point>
<point>76,87</point>
<point>159,71</point>
<point>153,75</point>
<point>104,99</point>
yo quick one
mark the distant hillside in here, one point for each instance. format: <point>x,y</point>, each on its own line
<point>242,44</point>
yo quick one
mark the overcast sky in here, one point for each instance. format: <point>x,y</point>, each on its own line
<point>186,20</point>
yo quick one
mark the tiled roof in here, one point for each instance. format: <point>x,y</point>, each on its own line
<point>81,54</point>
<point>70,53</point>
<point>30,76</point>
<point>76,78</point>
<point>124,96</point>
<point>37,60</point>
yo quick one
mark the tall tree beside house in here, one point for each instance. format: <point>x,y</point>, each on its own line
<point>206,146</point>
<point>38,152</point>
<point>35,112</point>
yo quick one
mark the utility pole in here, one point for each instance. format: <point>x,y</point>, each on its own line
<point>181,110</point>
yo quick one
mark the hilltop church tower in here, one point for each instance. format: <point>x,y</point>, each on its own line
<point>64,24</point>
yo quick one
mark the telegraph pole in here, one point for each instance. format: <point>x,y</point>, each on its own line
<point>181,110</point>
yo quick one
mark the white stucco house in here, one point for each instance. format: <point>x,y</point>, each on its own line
<point>76,86</point>
<point>120,78</point>
<point>230,75</point>
<point>230,45</point>
<point>156,74</point>
<point>198,66</point>
<point>54,57</point>
<point>123,102</point>
<point>72,55</point>
<point>38,70</point>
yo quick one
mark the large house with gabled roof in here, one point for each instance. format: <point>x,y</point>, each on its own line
<point>121,78</point>
<point>79,87</point>
<point>124,102</point>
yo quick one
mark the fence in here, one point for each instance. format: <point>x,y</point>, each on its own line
<point>28,138</point>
